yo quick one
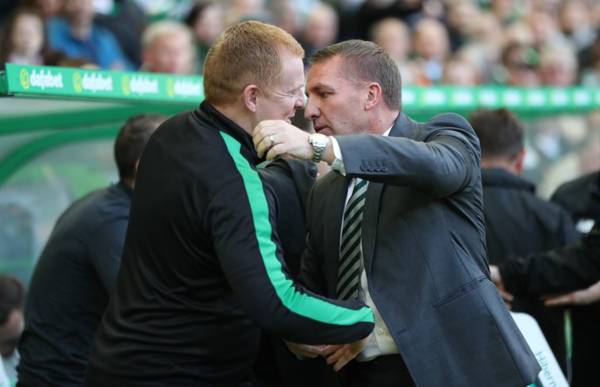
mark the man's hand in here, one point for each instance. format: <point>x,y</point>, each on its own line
<point>275,138</point>
<point>344,353</point>
<point>497,280</point>
<point>580,297</point>
<point>495,275</point>
<point>310,351</point>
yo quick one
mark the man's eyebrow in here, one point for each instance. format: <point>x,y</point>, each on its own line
<point>320,87</point>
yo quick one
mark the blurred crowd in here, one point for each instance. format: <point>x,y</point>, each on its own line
<point>459,42</point>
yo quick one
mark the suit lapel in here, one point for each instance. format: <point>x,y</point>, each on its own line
<point>403,127</point>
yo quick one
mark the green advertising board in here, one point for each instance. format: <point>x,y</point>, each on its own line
<point>81,83</point>
<point>140,86</point>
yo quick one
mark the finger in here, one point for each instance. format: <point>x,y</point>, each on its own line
<point>261,132</point>
<point>310,355</point>
<point>341,363</point>
<point>263,146</point>
<point>275,151</point>
<point>327,350</point>
<point>560,300</point>
<point>257,134</point>
<point>337,355</point>
<point>506,296</point>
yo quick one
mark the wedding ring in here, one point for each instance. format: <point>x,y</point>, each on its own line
<point>271,141</point>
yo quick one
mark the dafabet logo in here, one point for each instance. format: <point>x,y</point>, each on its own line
<point>24,78</point>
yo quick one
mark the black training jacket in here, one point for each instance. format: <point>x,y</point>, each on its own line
<point>203,268</point>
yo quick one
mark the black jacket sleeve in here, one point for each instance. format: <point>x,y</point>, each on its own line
<point>568,269</point>
<point>249,252</point>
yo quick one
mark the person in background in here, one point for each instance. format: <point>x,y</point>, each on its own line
<point>549,275</point>
<point>127,22</point>
<point>558,65</point>
<point>320,28</point>
<point>519,223</point>
<point>520,65</point>
<point>24,38</point>
<point>77,269</point>
<point>167,47</point>
<point>581,198</point>
<point>461,72</point>
<point>431,47</point>
<point>12,298</point>
<point>77,35</point>
<point>48,8</point>
<point>393,36</point>
<point>206,22</point>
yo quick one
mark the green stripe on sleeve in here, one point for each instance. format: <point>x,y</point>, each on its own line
<point>299,303</point>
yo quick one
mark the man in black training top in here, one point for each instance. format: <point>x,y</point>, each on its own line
<point>202,261</point>
<point>76,272</point>
<point>517,222</point>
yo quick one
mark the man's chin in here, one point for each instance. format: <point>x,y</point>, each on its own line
<point>326,131</point>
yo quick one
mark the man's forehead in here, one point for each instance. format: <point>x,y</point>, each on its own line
<point>334,67</point>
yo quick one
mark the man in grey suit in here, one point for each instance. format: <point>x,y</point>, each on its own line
<point>399,224</point>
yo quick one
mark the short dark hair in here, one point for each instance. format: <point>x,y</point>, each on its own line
<point>131,141</point>
<point>500,132</point>
<point>12,296</point>
<point>367,62</point>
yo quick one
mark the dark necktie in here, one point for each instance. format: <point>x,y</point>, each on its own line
<point>350,263</point>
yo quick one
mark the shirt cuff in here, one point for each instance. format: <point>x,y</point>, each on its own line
<point>338,163</point>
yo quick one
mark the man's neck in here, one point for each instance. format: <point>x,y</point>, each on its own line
<point>500,164</point>
<point>383,121</point>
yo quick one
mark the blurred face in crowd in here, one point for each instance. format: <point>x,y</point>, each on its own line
<point>460,73</point>
<point>27,35</point>
<point>558,72</point>
<point>463,17</point>
<point>519,70</point>
<point>10,332</point>
<point>431,40</point>
<point>282,99</point>
<point>392,35</point>
<point>573,15</point>
<point>79,12</point>
<point>543,27</point>
<point>49,7</point>
<point>321,27</point>
<point>171,53</point>
<point>208,24</point>
<point>335,101</point>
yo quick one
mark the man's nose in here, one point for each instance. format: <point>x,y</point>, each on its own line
<point>311,111</point>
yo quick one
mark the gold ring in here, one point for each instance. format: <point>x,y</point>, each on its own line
<point>271,141</point>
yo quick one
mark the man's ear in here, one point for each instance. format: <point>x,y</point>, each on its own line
<point>519,162</point>
<point>249,95</point>
<point>373,95</point>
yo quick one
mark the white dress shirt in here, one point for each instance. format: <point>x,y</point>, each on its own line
<point>380,342</point>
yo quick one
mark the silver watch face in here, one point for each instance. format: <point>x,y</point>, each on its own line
<point>319,140</point>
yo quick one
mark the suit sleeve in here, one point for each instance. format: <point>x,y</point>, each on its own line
<point>249,252</point>
<point>571,268</point>
<point>444,162</point>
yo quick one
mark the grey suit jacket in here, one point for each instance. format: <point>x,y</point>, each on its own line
<point>423,241</point>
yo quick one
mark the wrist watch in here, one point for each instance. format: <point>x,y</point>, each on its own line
<point>319,143</point>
